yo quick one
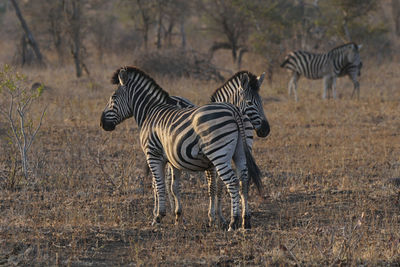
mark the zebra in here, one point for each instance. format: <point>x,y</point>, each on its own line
<point>340,61</point>
<point>196,139</point>
<point>246,97</point>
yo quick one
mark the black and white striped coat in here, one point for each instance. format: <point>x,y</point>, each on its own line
<point>241,90</point>
<point>340,61</point>
<point>197,139</point>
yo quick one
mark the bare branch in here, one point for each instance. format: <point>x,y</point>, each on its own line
<point>13,127</point>
<point>37,128</point>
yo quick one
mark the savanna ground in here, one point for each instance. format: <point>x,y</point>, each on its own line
<point>330,173</point>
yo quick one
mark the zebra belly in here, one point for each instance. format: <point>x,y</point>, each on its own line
<point>196,162</point>
<point>183,151</point>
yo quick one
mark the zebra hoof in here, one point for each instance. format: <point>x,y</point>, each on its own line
<point>223,224</point>
<point>179,220</point>
<point>246,222</point>
<point>234,223</point>
<point>156,221</point>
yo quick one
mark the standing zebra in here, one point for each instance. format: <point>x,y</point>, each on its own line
<point>196,139</point>
<point>340,61</point>
<point>242,92</point>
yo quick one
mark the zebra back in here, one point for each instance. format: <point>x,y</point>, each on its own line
<point>182,102</point>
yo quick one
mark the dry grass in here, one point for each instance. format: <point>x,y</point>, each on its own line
<point>329,169</point>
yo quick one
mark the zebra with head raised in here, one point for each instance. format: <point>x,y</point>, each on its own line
<point>340,61</point>
<point>241,90</point>
<point>197,138</point>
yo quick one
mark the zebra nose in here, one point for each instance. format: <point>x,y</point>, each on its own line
<point>106,125</point>
<point>264,130</point>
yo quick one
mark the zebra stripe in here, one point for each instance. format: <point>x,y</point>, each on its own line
<point>340,61</point>
<point>197,138</point>
<point>241,90</point>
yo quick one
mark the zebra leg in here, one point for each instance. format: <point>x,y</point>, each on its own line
<point>168,184</point>
<point>220,188</point>
<point>155,208</point>
<point>210,175</point>
<point>215,187</point>
<point>295,86</point>
<point>225,172</point>
<point>356,89</point>
<point>334,87</point>
<point>327,86</point>
<point>244,190</point>
<point>242,171</point>
<point>293,83</point>
<point>157,167</point>
<point>175,189</point>
<point>290,86</point>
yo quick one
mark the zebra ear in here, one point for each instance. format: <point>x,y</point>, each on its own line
<point>122,76</point>
<point>245,81</point>
<point>260,79</point>
<point>241,92</point>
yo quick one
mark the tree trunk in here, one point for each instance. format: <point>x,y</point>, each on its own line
<point>159,26</point>
<point>24,50</point>
<point>74,19</point>
<point>183,33</point>
<point>346,31</point>
<point>168,33</point>
<point>28,33</point>
<point>396,16</point>
<point>55,30</point>
<point>242,51</point>
<point>146,24</point>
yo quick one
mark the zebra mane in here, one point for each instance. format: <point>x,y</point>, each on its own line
<point>343,45</point>
<point>253,82</point>
<point>134,70</point>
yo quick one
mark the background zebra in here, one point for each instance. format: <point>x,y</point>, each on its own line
<point>241,90</point>
<point>197,138</point>
<point>340,61</point>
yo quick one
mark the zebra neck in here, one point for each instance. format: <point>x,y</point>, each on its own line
<point>339,60</point>
<point>228,93</point>
<point>145,100</point>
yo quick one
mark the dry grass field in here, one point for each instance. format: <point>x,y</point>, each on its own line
<point>331,172</point>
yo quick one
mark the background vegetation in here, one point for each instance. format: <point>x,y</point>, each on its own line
<point>331,169</point>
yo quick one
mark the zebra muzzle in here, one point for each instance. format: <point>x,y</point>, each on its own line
<point>264,130</point>
<point>106,125</point>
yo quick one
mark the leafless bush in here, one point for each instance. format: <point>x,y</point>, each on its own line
<point>179,63</point>
<point>15,108</point>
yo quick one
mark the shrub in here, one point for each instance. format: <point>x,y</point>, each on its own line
<point>16,100</point>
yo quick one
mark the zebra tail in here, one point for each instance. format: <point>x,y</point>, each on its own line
<point>253,170</point>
